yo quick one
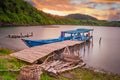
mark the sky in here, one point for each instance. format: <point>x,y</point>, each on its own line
<point>100,9</point>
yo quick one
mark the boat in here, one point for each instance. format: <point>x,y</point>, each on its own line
<point>81,34</point>
<point>20,35</point>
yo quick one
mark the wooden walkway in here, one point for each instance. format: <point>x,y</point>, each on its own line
<point>35,53</point>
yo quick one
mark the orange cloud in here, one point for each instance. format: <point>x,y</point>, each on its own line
<point>88,11</point>
<point>64,7</point>
<point>53,4</point>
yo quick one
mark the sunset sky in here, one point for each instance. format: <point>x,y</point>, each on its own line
<point>100,9</point>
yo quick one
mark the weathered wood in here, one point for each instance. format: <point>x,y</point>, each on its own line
<point>53,63</point>
<point>31,72</point>
<point>48,58</point>
<point>70,57</point>
<point>33,54</point>
<point>63,65</point>
<point>70,68</point>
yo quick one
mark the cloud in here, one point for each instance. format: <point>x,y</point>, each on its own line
<point>114,15</point>
<point>115,5</point>
<point>101,9</point>
<point>97,4</point>
<point>77,2</point>
<point>103,5</point>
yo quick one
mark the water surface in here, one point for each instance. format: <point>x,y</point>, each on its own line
<point>104,55</point>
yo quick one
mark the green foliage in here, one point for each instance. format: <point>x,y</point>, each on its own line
<point>9,63</point>
<point>15,64</point>
<point>3,65</point>
<point>86,74</point>
<point>44,76</point>
<point>6,75</point>
<point>4,51</point>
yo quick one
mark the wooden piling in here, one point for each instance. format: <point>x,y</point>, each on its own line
<point>100,40</point>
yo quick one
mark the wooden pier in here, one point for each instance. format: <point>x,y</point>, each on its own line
<point>31,55</point>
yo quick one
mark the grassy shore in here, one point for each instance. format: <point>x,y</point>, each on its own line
<point>7,64</point>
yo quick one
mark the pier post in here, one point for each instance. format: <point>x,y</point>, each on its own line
<point>31,33</point>
<point>92,42</point>
<point>100,40</point>
<point>21,34</point>
<point>84,45</point>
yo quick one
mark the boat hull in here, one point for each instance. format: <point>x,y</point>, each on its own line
<point>32,43</point>
<point>78,34</point>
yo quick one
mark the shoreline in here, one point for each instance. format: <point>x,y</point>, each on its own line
<point>27,25</point>
<point>86,66</point>
<point>78,73</point>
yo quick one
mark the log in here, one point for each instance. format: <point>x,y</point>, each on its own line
<point>63,65</point>
<point>71,58</point>
<point>70,68</point>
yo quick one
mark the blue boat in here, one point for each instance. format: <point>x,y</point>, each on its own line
<point>78,34</point>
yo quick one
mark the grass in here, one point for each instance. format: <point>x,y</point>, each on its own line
<point>6,75</point>
<point>4,51</point>
<point>9,63</point>
<point>6,63</point>
<point>86,74</point>
<point>45,76</point>
<point>83,74</point>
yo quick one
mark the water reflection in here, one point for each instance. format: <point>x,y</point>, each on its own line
<point>86,49</point>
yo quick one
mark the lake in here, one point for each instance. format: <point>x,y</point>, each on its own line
<point>104,55</point>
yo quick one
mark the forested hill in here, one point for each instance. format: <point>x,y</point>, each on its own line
<point>80,17</point>
<point>19,12</point>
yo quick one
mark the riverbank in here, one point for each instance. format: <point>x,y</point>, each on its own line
<point>9,70</point>
<point>84,23</point>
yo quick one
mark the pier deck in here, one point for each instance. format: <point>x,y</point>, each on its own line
<point>33,54</point>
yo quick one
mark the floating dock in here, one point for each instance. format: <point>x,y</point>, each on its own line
<point>33,54</point>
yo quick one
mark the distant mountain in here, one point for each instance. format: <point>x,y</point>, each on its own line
<point>80,17</point>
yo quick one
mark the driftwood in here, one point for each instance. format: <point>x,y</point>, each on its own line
<point>71,58</point>
<point>66,61</point>
<point>65,66</point>
<point>71,68</point>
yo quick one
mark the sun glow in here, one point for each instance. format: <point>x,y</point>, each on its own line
<point>100,9</point>
<point>54,12</point>
<point>92,12</point>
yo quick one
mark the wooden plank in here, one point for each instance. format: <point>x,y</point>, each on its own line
<point>32,54</point>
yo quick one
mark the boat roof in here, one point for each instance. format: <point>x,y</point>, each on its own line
<point>80,30</point>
